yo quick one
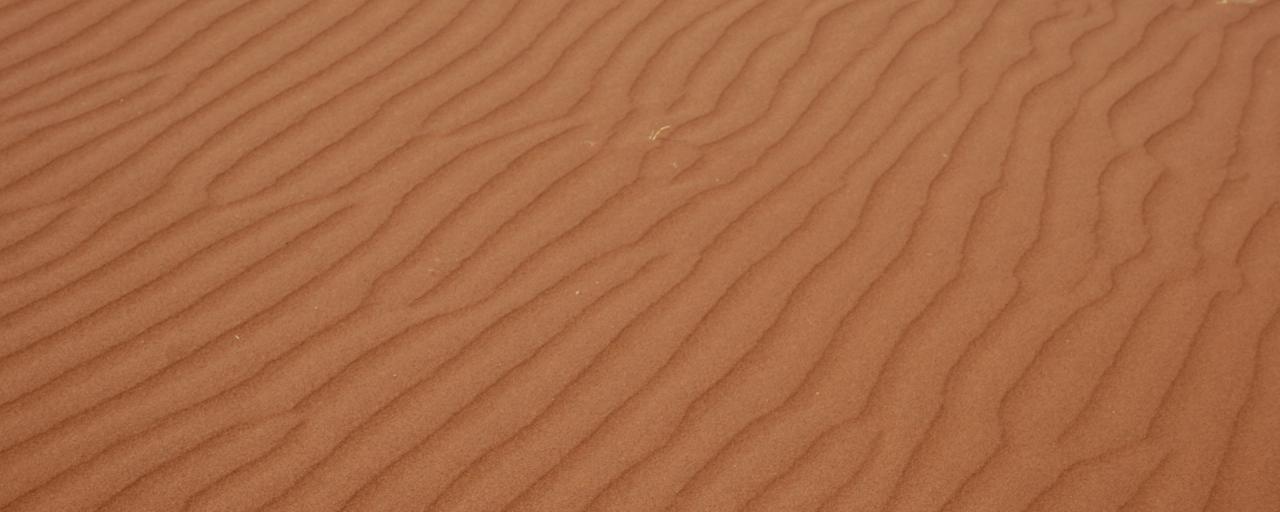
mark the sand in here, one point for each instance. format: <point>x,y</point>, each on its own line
<point>636,255</point>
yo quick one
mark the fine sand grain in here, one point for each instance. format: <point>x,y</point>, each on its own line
<point>640,255</point>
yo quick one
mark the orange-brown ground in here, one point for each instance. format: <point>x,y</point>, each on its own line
<point>633,255</point>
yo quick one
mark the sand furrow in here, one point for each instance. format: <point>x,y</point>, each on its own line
<point>632,255</point>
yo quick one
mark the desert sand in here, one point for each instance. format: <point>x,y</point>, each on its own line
<point>640,255</point>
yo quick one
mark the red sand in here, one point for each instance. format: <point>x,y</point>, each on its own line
<point>764,255</point>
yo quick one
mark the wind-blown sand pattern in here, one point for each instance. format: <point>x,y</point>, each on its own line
<point>633,255</point>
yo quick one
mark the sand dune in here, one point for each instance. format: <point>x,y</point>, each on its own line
<point>633,255</point>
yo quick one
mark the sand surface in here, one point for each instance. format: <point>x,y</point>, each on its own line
<point>640,255</point>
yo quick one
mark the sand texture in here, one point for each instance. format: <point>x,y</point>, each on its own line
<point>640,255</point>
